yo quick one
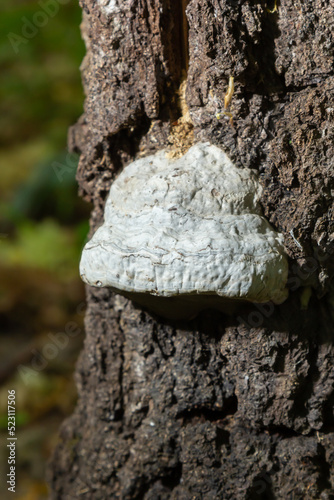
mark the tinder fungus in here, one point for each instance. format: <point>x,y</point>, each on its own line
<point>190,229</point>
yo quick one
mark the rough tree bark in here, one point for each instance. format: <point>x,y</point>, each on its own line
<point>227,407</point>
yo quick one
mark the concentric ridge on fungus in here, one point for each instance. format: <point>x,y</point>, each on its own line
<point>184,227</point>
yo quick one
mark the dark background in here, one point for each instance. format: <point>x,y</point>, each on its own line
<point>43,227</point>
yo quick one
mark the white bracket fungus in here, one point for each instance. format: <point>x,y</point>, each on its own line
<point>189,228</point>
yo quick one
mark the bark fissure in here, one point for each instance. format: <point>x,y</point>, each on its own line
<point>184,36</point>
<point>191,415</point>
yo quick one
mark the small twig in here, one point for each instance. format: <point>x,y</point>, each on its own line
<point>227,101</point>
<point>294,239</point>
<point>274,9</point>
<point>229,93</point>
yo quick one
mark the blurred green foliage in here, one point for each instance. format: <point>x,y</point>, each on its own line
<point>43,223</point>
<point>45,245</point>
<point>40,96</point>
<point>40,89</point>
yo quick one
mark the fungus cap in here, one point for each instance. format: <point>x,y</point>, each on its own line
<point>187,226</point>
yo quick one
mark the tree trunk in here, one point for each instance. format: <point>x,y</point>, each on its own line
<point>223,406</point>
